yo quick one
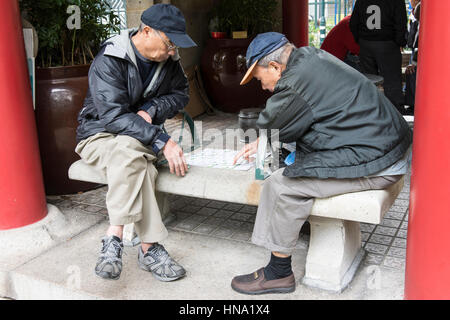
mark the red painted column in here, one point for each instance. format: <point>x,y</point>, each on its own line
<point>428,245</point>
<point>22,196</point>
<point>295,21</point>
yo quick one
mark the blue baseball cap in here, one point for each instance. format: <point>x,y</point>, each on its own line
<point>168,19</point>
<point>261,46</point>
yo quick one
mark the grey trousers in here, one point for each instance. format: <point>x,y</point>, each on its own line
<point>286,203</point>
<point>131,177</point>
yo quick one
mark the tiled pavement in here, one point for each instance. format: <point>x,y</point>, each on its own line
<point>385,244</point>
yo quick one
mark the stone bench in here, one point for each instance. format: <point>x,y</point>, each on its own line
<point>335,250</point>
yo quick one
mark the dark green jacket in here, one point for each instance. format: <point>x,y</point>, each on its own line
<point>344,127</point>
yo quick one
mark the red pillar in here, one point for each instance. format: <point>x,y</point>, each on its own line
<point>295,21</point>
<point>428,247</point>
<point>22,196</point>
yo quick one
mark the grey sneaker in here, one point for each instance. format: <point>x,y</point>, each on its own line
<point>109,263</point>
<point>160,264</point>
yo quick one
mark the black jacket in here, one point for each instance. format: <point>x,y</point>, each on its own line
<point>391,24</point>
<point>116,93</point>
<point>344,127</point>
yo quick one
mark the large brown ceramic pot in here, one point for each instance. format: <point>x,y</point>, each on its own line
<point>60,92</point>
<point>223,66</point>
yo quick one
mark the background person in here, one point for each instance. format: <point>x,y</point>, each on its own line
<point>379,27</point>
<point>341,44</point>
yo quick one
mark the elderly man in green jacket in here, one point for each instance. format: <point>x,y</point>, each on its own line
<point>349,137</point>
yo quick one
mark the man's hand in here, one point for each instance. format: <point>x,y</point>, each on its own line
<point>145,115</point>
<point>175,158</point>
<point>247,151</point>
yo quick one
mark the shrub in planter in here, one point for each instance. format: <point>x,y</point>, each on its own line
<point>62,64</point>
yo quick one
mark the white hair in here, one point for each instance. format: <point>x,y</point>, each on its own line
<point>281,55</point>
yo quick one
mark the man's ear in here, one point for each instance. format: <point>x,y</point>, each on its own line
<point>147,31</point>
<point>275,66</point>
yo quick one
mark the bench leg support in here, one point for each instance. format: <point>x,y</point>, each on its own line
<point>130,238</point>
<point>334,253</point>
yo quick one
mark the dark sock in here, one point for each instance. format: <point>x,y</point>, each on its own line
<point>278,268</point>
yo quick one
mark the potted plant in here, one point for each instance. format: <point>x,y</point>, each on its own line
<point>64,55</point>
<point>223,60</point>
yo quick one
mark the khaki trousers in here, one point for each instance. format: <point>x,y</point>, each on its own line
<point>286,203</point>
<point>131,175</point>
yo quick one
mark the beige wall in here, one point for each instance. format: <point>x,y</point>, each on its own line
<point>134,11</point>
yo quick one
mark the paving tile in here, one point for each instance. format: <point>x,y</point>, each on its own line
<point>373,259</point>
<point>403,195</point>
<point>401,243</point>
<point>397,252</point>
<point>205,228</point>
<point>191,208</point>
<point>197,218</point>
<point>101,202</point>
<point>404,225</point>
<point>181,215</point>
<point>65,204</point>
<point>249,209</point>
<point>104,211</point>
<point>242,235</point>
<point>187,225</point>
<point>177,204</point>
<point>365,236</point>
<point>224,214</point>
<point>385,230</point>
<point>376,248</point>
<point>380,239</point>
<point>240,216</point>
<point>232,224</point>
<point>233,206</point>
<point>394,215</point>
<point>90,209</point>
<point>200,202</point>
<point>394,262</point>
<point>213,221</point>
<point>398,208</point>
<point>402,233</point>
<point>390,223</point>
<point>247,226</point>
<point>401,202</point>
<point>216,204</point>
<point>367,227</point>
<point>207,211</point>
<point>223,232</point>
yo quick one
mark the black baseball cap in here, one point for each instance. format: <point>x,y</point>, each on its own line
<point>168,19</point>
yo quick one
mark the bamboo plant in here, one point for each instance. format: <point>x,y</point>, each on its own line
<point>60,45</point>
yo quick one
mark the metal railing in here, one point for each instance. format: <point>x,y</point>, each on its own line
<point>322,10</point>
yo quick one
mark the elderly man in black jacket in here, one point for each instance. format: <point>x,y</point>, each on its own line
<point>136,82</point>
<point>348,135</point>
<point>379,27</point>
